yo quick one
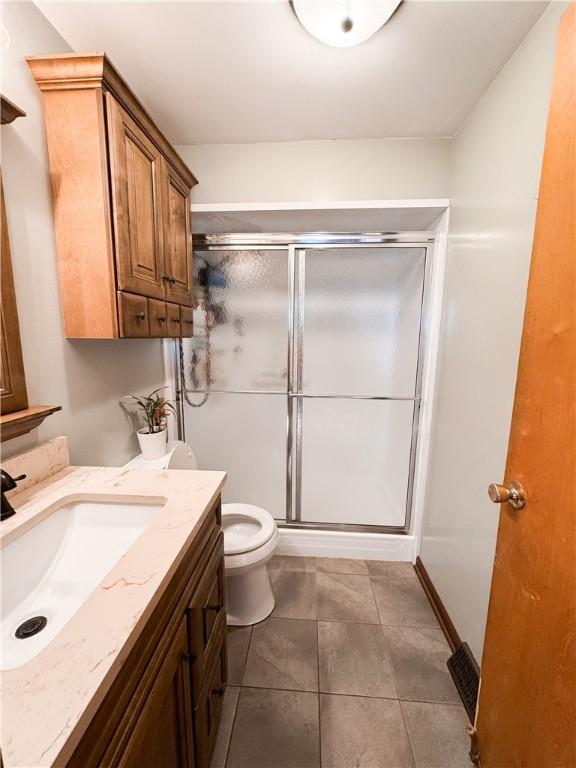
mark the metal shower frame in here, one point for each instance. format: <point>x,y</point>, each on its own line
<point>297,246</point>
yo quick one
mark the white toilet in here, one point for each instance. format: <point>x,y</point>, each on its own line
<point>250,538</point>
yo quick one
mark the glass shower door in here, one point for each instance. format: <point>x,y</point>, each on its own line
<point>355,391</point>
<point>235,370</point>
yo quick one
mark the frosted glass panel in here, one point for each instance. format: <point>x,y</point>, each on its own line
<point>240,325</point>
<point>355,461</point>
<point>245,435</point>
<point>362,320</point>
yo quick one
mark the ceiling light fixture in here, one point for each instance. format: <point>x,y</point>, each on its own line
<point>343,23</point>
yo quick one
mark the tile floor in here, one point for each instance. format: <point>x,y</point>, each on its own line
<point>348,672</point>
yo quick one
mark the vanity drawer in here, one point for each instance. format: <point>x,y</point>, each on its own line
<point>207,616</point>
<point>173,312</point>
<point>133,316</point>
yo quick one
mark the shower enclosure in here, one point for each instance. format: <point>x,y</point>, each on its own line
<point>303,378</point>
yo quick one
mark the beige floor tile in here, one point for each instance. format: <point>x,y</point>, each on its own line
<point>295,594</point>
<point>283,654</point>
<point>225,728</point>
<point>237,641</point>
<point>292,563</point>
<point>391,569</point>
<point>438,734</point>
<point>419,659</point>
<point>341,565</point>
<point>358,732</point>
<point>354,659</point>
<point>346,597</point>
<point>402,603</point>
<point>275,729</point>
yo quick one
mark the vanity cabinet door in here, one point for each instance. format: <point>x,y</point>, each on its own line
<point>208,712</point>
<point>137,180</point>
<point>177,238</point>
<point>163,734</point>
<point>207,617</point>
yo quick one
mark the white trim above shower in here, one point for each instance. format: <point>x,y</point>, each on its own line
<point>340,216</point>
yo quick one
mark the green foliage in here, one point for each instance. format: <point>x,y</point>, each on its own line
<point>155,409</point>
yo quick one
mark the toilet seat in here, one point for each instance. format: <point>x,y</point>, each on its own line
<point>246,528</point>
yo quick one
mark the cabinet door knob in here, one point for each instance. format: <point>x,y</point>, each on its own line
<point>190,322</point>
<point>161,319</point>
<point>218,691</point>
<point>165,278</point>
<point>175,320</point>
<point>141,316</point>
<point>172,280</point>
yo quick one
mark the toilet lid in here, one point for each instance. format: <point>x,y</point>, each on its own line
<point>246,528</point>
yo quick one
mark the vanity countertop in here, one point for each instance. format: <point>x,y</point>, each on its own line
<point>48,702</point>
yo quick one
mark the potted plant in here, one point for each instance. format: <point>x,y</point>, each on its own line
<point>155,410</point>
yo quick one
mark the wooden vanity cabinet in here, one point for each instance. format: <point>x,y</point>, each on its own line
<point>162,735</point>
<point>164,706</point>
<point>121,202</point>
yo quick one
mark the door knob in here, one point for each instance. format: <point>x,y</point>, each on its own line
<point>513,494</point>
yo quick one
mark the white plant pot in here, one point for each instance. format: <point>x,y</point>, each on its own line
<point>152,444</point>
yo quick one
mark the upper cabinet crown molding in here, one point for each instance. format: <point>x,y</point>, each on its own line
<point>121,197</point>
<point>10,111</point>
<point>81,71</point>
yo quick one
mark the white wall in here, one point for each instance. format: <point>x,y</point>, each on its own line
<point>86,377</point>
<point>496,162</point>
<point>370,169</point>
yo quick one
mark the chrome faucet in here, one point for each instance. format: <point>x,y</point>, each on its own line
<point>7,483</point>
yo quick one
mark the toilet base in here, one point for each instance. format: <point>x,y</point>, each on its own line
<point>249,596</point>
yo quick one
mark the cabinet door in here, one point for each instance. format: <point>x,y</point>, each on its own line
<point>177,238</point>
<point>163,735</point>
<point>207,616</point>
<point>137,181</point>
<point>208,711</point>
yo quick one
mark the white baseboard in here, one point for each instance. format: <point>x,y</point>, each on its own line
<point>362,546</point>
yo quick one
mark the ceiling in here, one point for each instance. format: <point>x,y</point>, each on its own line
<point>231,72</point>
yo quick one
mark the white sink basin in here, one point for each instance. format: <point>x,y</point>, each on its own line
<point>51,569</point>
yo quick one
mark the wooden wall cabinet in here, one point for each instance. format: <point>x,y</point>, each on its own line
<point>121,204</point>
<point>164,707</point>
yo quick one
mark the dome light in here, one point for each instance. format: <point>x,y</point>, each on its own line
<point>343,23</point>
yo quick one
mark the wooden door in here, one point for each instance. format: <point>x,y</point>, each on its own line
<point>13,394</point>
<point>177,238</point>
<point>137,181</point>
<point>527,703</point>
<point>163,736</point>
